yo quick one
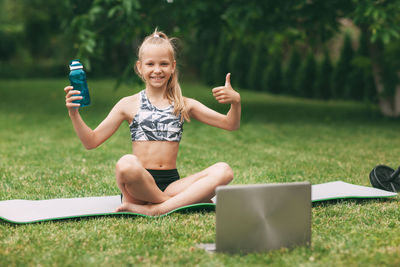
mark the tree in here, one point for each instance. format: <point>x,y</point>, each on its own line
<point>342,70</point>
<point>370,94</point>
<point>239,63</point>
<point>258,63</point>
<point>207,67</point>
<point>290,73</point>
<point>323,85</point>
<point>306,76</point>
<point>319,19</point>
<point>380,21</point>
<point>361,64</point>
<point>220,59</point>
<point>108,31</point>
<point>272,77</point>
<point>11,29</point>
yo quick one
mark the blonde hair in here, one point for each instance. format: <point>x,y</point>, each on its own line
<point>174,92</point>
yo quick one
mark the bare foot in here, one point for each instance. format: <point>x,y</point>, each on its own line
<point>148,209</point>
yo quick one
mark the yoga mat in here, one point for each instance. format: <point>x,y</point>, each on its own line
<point>341,190</point>
<point>31,211</point>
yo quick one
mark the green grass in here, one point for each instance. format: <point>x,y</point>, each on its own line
<point>281,139</point>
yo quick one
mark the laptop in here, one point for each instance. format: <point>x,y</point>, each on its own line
<point>262,217</point>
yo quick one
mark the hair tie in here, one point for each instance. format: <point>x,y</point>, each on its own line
<point>156,35</point>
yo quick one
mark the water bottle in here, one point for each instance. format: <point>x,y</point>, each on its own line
<point>77,78</point>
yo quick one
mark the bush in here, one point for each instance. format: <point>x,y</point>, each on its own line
<point>370,94</point>
<point>306,76</point>
<point>363,45</point>
<point>206,69</point>
<point>323,87</point>
<point>290,73</point>
<point>258,62</point>
<point>244,63</point>
<point>272,78</point>
<point>10,70</point>
<point>362,83</point>
<point>221,55</point>
<point>8,45</point>
<point>342,70</point>
<point>355,86</point>
<point>239,64</point>
<point>360,65</point>
<point>233,63</point>
<point>390,67</point>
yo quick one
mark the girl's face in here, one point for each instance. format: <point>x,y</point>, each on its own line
<point>156,66</point>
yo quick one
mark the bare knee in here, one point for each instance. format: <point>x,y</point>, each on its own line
<point>225,172</point>
<point>127,168</point>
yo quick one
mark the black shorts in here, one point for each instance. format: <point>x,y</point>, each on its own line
<point>163,178</point>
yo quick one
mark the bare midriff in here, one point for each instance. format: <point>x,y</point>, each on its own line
<point>156,155</point>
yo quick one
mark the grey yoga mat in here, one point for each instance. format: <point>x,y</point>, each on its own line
<point>30,211</point>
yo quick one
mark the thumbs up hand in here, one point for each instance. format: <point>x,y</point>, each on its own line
<point>226,94</point>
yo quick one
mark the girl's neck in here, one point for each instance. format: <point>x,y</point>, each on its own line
<point>156,93</point>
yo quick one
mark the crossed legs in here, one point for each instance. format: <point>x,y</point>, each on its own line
<point>141,194</point>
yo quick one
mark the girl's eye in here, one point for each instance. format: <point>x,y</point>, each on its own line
<point>149,64</point>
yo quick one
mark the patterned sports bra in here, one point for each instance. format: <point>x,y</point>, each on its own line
<point>154,124</point>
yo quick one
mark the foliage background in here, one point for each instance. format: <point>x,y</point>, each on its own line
<point>340,42</point>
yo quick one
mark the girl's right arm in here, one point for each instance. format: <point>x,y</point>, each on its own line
<point>92,138</point>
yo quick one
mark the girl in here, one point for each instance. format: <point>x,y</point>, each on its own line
<point>148,178</point>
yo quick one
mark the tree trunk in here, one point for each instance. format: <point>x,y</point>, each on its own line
<point>389,105</point>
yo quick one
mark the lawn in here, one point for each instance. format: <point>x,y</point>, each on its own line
<point>281,139</point>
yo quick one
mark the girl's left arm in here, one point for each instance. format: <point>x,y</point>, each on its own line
<point>224,95</point>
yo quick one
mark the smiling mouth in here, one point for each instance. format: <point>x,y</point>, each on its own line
<point>157,78</point>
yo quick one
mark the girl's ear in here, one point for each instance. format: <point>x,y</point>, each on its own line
<point>173,66</point>
<point>139,67</point>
